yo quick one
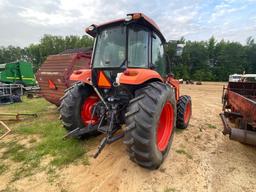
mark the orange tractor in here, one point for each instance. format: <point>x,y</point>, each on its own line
<point>129,92</point>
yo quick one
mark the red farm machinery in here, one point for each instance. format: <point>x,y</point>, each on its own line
<point>129,92</point>
<point>239,111</point>
<point>54,75</point>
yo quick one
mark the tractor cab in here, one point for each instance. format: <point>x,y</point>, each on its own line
<point>125,45</point>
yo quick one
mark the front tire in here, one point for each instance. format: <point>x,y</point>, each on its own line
<point>150,124</point>
<point>184,111</point>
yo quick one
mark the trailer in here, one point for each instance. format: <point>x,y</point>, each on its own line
<point>239,111</point>
<point>53,75</point>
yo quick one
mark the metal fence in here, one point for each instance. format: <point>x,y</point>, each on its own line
<point>10,92</point>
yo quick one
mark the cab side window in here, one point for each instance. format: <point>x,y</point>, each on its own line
<point>158,58</point>
<point>138,47</point>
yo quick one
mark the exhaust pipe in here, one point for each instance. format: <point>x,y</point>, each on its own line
<point>241,135</point>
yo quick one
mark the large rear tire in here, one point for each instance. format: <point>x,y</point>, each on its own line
<point>150,124</point>
<point>76,107</point>
<point>184,111</point>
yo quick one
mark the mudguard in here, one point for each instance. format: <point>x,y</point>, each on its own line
<point>176,84</point>
<point>138,76</point>
<point>83,75</point>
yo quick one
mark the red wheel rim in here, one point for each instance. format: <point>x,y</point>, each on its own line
<point>187,113</point>
<point>87,110</point>
<point>165,126</point>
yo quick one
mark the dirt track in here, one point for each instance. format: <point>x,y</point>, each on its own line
<point>201,159</point>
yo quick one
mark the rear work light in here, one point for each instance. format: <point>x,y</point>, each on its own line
<point>128,18</point>
<point>134,16</point>
<point>91,28</point>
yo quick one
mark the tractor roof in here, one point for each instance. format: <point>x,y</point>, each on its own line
<point>136,17</point>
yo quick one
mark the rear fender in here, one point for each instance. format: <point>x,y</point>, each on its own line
<point>138,76</point>
<point>176,84</point>
<point>83,75</point>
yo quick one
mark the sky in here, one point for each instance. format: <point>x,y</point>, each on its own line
<point>23,22</point>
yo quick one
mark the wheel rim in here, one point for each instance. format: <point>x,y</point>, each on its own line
<point>165,126</point>
<point>187,112</point>
<point>87,110</point>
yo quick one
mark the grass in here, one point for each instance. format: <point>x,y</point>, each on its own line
<point>52,175</point>
<point>183,152</point>
<point>44,140</point>
<point>37,105</point>
<point>9,189</point>
<point>14,151</point>
<point>210,126</point>
<point>1,130</point>
<point>3,168</point>
<point>169,189</point>
<point>179,131</point>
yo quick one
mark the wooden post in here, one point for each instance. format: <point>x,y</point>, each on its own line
<point>7,128</point>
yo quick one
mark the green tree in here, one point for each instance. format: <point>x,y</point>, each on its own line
<point>250,51</point>
<point>211,51</point>
<point>230,59</point>
<point>49,45</point>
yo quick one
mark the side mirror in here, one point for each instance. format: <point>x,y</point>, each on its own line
<point>179,49</point>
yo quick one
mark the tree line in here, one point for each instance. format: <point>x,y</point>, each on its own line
<point>48,45</point>
<point>213,61</point>
<point>201,60</point>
